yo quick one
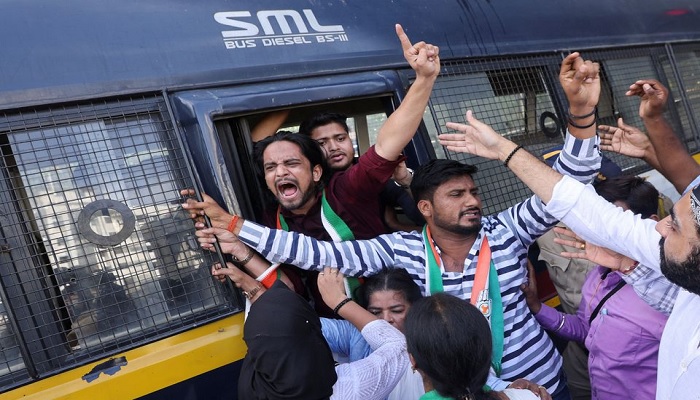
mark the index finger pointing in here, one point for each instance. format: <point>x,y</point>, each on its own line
<point>405,41</point>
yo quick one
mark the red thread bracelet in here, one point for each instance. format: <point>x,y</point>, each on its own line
<point>232,225</point>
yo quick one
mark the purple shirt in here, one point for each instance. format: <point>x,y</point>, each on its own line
<point>623,339</point>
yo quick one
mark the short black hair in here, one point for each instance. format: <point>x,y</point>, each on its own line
<point>640,196</point>
<point>322,119</point>
<point>450,341</point>
<point>397,279</point>
<point>309,148</point>
<point>429,176</point>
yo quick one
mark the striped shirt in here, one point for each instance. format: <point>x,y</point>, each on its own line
<point>527,350</point>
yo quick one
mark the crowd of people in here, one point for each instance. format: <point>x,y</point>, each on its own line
<point>345,305</point>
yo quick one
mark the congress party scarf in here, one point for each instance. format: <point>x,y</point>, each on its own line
<point>486,293</point>
<point>336,228</point>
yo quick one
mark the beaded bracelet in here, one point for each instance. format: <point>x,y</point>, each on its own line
<point>518,147</point>
<point>342,303</point>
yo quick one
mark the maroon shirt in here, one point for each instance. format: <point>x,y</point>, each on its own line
<point>354,195</point>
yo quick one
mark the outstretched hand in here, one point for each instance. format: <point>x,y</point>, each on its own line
<point>591,252</point>
<point>653,96</point>
<point>423,57</point>
<point>474,138</point>
<point>580,80</point>
<point>626,140</point>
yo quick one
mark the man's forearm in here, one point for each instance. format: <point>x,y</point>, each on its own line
<point>538,176</point>
<point>674,162</point>
<point>311,254</point>
<point>402,124</point>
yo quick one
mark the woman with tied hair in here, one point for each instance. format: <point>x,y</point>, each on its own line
<point>449,344</point>
<point>388,295</point>
<point>288,357</point>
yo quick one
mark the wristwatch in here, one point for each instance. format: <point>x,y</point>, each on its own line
<point>252,293</point>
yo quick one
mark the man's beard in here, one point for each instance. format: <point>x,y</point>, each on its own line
<point>457,228</point>
<point>685,274</point>
<point>306,195</point>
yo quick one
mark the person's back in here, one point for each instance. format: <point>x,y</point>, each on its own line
<point>449,343</point>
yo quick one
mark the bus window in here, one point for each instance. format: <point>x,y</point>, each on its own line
<point>98,212</point>
<point>365,117</point>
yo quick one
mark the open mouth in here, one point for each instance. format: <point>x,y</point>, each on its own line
<point>287,190</point>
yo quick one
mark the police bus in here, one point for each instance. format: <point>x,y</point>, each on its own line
<point>108,108</point>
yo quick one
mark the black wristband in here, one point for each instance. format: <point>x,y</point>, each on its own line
<point>594,112</point>
<point>575,125</point>
<point>342,303</point>
<point>518,147</point>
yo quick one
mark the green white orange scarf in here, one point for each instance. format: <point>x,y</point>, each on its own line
<point>486,292</point>
<point>336,228</point>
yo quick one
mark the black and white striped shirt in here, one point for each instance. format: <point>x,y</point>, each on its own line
<point>527,350</point>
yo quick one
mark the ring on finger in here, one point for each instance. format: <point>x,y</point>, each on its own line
<point>583,246</point>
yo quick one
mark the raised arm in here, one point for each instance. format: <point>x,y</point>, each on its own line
<point>580,80</point>
<point>332,288</point>
<point>402,124</point>
<point>675,163</point>
<point>479,139</point>
<point>382,369</point>
<point>268,125</point>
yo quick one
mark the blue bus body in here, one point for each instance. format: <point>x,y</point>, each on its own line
<point>108,108</point>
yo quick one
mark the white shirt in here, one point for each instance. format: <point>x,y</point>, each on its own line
<point>600,222</point>
<point>373,377</point>
<point>409,387</point>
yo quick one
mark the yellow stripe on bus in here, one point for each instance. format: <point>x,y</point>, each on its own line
<point>150,367</point>
<point>554,302</point>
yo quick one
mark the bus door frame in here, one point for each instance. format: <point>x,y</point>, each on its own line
<point>197,111</point>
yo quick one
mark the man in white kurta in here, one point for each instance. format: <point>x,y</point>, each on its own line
<point>679,354</point>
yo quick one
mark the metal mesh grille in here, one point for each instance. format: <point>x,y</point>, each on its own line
<point>508,94</point>
<point>521,98</point>
<point>101,256</point>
